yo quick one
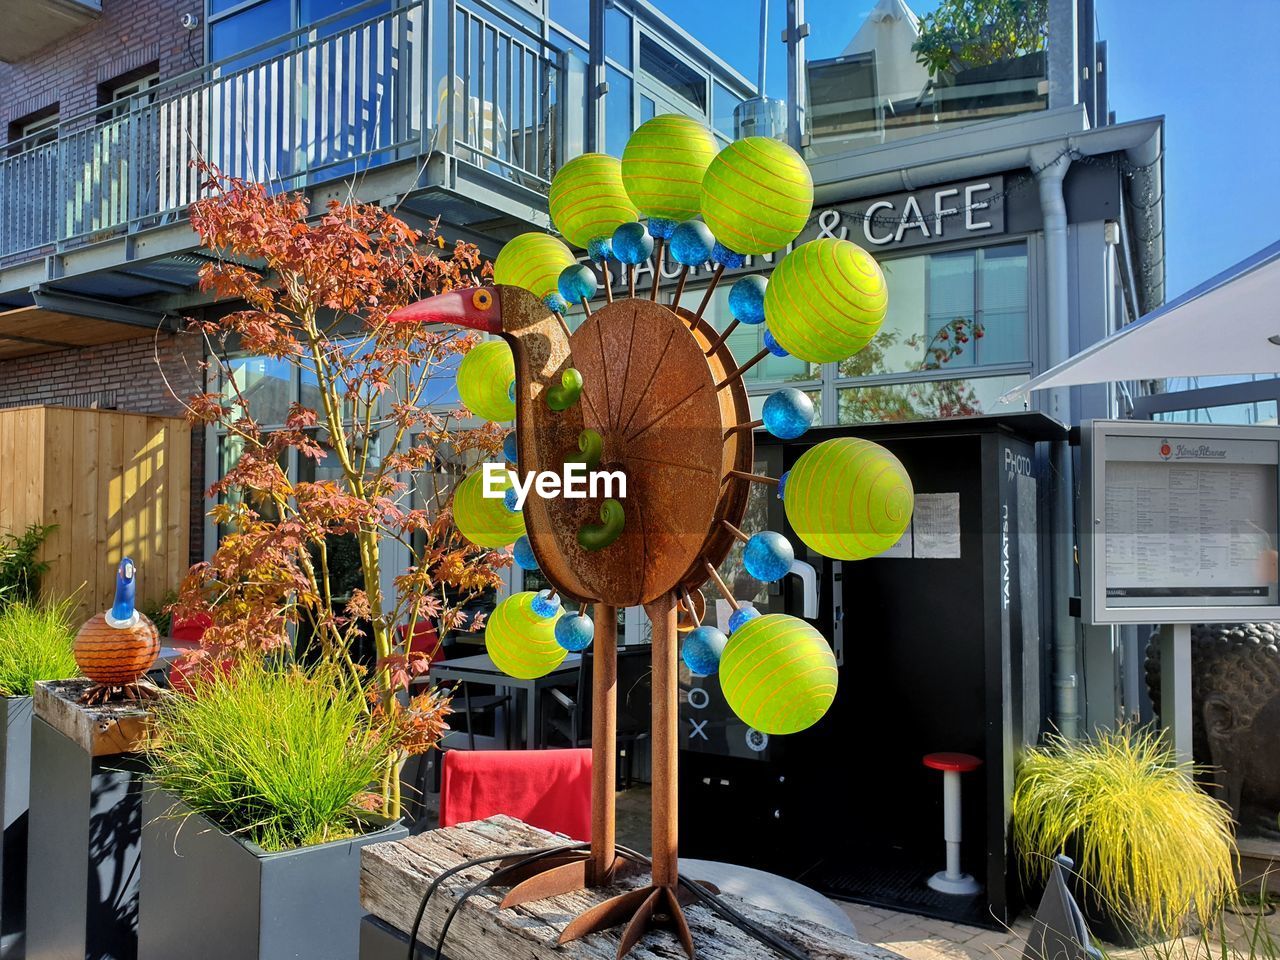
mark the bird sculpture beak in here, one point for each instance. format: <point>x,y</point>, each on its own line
<point>477,308</point>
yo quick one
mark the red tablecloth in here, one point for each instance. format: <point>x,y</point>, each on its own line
<point>550,789</point>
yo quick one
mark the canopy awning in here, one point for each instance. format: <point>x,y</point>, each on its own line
<point>1229,324</point>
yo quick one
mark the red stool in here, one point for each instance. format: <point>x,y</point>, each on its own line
<point>951,880</point>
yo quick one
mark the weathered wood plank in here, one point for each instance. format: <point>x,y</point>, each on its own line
<point>101,731</point>
<point>394,877</point>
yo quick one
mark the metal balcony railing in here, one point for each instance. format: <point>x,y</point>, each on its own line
<point>334,104</point>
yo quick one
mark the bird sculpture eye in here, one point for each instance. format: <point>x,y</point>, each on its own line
<point>482,299</point>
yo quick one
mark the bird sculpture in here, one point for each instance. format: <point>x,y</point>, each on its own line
<point>117,647</point>
<point>648,390</point>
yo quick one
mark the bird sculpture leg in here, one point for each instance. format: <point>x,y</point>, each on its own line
<point>565,873</point>
<point>657,905</point>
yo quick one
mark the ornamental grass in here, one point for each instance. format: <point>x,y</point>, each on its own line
<point>36,643</point>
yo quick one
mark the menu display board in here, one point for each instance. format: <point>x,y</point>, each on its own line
<point>1181,522</point>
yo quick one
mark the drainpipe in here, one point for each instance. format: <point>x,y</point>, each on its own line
<point>1052,169</point>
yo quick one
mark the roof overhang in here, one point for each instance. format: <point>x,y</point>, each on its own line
<point>32,25</point>
<point>28,331</point>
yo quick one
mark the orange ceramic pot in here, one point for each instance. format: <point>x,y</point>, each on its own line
<point>112,656</point>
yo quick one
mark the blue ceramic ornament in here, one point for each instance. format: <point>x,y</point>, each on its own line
<point>772,345</point>
<point>632,244</point>
<point>787,413</point>
<point>782,484</point>
<point>742,615</point>
<point>577,283</point>
<point>509,499</point>
<point>746,299</point>
<point>545,604</point>
<point>768,556</point>
<point>574,632</point>
<point>660,228</point>
<point>509,447</point>
<point>523,552</point>
<point>702,649</point>
<point>599,248</point>
<point>723,255</point>
<point>555,303</point>
<point>691,243</point>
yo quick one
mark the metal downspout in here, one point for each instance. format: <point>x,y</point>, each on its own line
<point>1051,166</point>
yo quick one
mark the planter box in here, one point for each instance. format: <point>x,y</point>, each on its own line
<point>85,829</point>
<point>208,896</point>
<point>15,792</point>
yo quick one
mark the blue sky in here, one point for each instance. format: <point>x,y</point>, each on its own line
<point>1209,69</point>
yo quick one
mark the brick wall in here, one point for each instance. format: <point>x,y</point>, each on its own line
<point>123,376</point>
<point>129,35</point>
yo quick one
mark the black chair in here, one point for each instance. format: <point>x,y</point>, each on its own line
<point>568,713</point>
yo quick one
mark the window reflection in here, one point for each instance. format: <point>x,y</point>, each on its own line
<point>922,400</point>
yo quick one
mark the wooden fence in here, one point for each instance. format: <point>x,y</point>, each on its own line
<point>114,484</point>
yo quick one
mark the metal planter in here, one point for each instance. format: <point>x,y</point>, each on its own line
<point>15,793</point>
<point>207,895</point>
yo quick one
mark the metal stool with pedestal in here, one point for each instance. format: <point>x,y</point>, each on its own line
<point>951,880</point>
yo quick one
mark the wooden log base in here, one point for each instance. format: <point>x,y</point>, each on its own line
<point>103,693</point>
<point>554,877</point>
<point>649,908</point>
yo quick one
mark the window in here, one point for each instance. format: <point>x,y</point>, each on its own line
<point>722,112</point>
<point>126,92</point>
<point>35,130</point>
<point>237,27</point>
<point>617,116</point>
<point>675,76</point>
<point>617,36</point>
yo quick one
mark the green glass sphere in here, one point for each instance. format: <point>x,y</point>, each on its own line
<point>778,674</point>
<point>521,643</point>
<point>757,195</point>
<point>663,165</point>
<point>587,199</point>
<point>533,261</point>
<point>485,376</point>
<point>485,521</point>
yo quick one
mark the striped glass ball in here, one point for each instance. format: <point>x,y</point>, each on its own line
<point>485,521</point>
<point>826,300</point>
<point>702,649</point>
<point>691,243</point>
<point>757,195</point>
<point>587,199</point>
<point>577,283</point>
<point>778,674</point>
<point>521,643</point>
<point>533,261</point>
<point>632,244</point>
<point>848,498</point>
<point>663,164</point>
<point>746,299</point>
<point>485,377</point>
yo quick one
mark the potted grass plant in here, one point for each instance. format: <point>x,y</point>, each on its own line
<point>259,807</point>
<point>1154,853</point>
<point>36,642</point>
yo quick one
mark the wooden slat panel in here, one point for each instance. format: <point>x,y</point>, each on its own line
<point>177,499</point>
<point>59,498</point>
<point>85,557</point>
<point>110,501</point>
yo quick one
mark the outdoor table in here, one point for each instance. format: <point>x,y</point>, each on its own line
<point>481,669</point>
<point>394,876</point>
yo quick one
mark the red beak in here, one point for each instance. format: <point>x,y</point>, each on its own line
<point>477,308</point>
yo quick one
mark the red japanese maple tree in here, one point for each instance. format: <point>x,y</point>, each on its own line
<point>316,290</point>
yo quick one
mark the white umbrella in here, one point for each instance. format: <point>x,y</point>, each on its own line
<point>1227,325</point>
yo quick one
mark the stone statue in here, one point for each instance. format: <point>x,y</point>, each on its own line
<point>1235,692</point>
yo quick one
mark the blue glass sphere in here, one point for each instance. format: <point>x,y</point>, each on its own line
<point>555,303</point>
<point>702,649</point>
<point>524,557</point>
<point>511,391</point>
<point>746,299</point>
<point>787,413</point>
<point>691,243</point>
<point>768,556</point>
<point>509,447</point>
<point>742,615</point>
<point>574,632</point>
<point>545,604</point>
<point>599,248</point>
<point>632,243</point>
<point>773,346</point>
<point>509,499</point>
<point>577,283</point>
<point>782,484</point>
<point>722,254</point>
<point>661,228</point>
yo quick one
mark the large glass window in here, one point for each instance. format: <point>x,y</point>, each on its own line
<point>236,27</point>
<point>617,118</point>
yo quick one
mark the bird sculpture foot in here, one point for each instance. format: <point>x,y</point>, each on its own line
<point>552,876</point>
<point>100,694</point>
<point>654,907</point>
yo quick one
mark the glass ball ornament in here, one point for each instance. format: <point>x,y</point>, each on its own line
<point>691,243</point>
<point>787,413</point>
<point>523,554</point>
<point>768,556</point>
<point>773,346</point>
<point>575,631</point>
<point>510,450</point>
<point>520,642</point>
<point>632,244</point>
<point>555,303</point>
<point>782,484</point>
<point>509,499</point>
<point>546,604</point>
<point>485,521</point>
<point>663,165</point>
<point>577,283</point>
<point>532,261</point>
<point>778,674</point>
<point>661,228</point>
<point>731,259</point>
<point>599,248</point>
<point>702,649</point>
<point>740,616</point>
<point>735,188</point>
<point>746,299</point>
<point>587,200</point>
<point>486,380</point>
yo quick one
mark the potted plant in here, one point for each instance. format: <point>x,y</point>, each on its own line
<point>36,642</point>
<point>1153,852</point>
<point>260,804</point>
